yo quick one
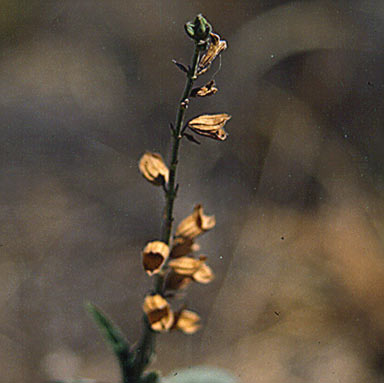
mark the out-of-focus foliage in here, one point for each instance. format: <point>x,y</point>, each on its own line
<point>297,190</point>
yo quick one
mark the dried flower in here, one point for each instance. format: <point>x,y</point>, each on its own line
<point>154,256</point>
<point>159,313</point>
<point>195,224</point>
<point>210,125</point>
<point>187,321</point>
<point>192,268</point>
<point>216,46</point>
<point>206,90</point>
<point>183,246</point>
<point>153,168</point>
<point>176,281</point>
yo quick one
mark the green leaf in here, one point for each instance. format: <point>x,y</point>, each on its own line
<point>189,29</point>
<point>201,375</point>
<point>111,333</point>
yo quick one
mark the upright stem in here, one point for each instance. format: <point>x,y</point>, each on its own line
<point>171,190</point>
<point>146,346</point>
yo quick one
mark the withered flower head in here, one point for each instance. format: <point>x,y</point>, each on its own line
<point>216,46</point>
<point>153,168</point>
<point>154,255</point>
<point>183,246</point>
<point>187,321</point>
<point>159,313</point>
<point>195,224</point>
<point>206,90</point>
<point>192,268</point>
<point>210,125</point>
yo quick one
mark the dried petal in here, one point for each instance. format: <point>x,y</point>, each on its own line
<point>206,90</point>
<point>210,125</point>
<point>193,268</point>
<point>154,255</point>
<point>185,265</point>
<point>203,274</point>
<point>153,168</point>
<point>183,246</point>
<point>215,48</point>
<point>159,313</point>
<point>187,321</point>
<point>195,224</point>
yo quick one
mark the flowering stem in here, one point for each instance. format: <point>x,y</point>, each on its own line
<point>146,345</point>
<point>170,193</point>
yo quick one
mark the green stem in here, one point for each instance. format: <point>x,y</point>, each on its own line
<point>146,346</point>
<point>144,351</point>
<point>170,194</point>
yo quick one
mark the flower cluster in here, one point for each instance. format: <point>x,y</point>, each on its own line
<point>172,260</point>
<point>180,268</point>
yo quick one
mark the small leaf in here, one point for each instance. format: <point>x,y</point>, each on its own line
<point>189,29</point>
<point>201,375</point>
<point>111,333</point>
<point>182,67</point>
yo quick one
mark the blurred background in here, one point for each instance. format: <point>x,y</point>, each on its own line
<point>297,189</point>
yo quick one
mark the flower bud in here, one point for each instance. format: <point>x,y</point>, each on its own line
<point>199,29</point>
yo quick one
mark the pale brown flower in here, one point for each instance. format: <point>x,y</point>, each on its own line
<point>195,224</point>
<point>205,90</point>
<point>154,255</point>
<point>183,246</point>
<point>159,313</point>
<point>216,46</point>
<point>210,125</point>
<point>187,321</point>
<point>193,268</point>
<point>153,168</point>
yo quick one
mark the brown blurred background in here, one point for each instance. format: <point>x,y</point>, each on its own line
<point>86,86</point>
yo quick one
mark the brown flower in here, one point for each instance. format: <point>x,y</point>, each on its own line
<point>195,224</point>
<point>176,281</point>
<point>192,268</point>
<point>216,46</point>
<point>210,125</point>
<point>183,246</point>
<point>153,168</point>
<point>206,90</point>
<point>154,255</point>
<point>186,321</point>
<point>159,313</point>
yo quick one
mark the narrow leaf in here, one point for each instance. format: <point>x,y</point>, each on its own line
<point>182,67</point>
<point>111,333</point>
